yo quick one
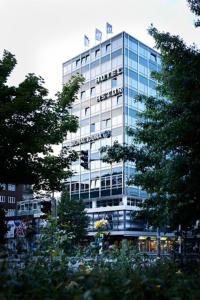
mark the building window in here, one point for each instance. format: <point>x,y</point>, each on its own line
<point>133,44</point>
<point>83,94</point>
<point>143,88</point>
<point>105,182</point>
<point>2,198</point>
<point>119,100</point>
<point>143,51</point>
<point>117,43</point>
<point>78,63</point>
<point>117,62</point>
<point>106,105</point>
<point>117,120</point>
<point>108,48</point>
<point>92,91</point>
<point>83,60</point>
<point>74,65</point>
<point>109,202</point>
<point>86,75</point>
<point>95,183</point>
<point>92,127</point>
<point>117,180</point>
<point>97,53</point>
<point>11,199</point>
<point>87,58</point>
<point>95,164</point>
<point>11,187</point>
<point>94,146</point>
<point>95,108</point>
<point>106,123</point>
<point>88,204</point>
<point>144,70</point>
<point>133,202</point>
<point>87,111</point>
<point>105,85</point>
<point>105,67</point>
<point>153,57</point>
<point>114,82</point>
<point>85,130</point>
<point>67,68</point>
<point>10,213</point>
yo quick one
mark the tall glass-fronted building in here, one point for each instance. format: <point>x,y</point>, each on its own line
<point>115,72</point>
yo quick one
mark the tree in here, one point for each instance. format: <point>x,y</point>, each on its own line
<point>195,8</point>
<point>30,123</point>
<point>72,217</point>
<point>166,141</point>
<point>3,227</point>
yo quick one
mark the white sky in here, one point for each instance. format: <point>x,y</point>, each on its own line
<point>45,33</point>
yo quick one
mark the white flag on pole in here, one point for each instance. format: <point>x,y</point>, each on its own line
<point>86,41</point>
<point>108,28</point>
<point>98,35</point>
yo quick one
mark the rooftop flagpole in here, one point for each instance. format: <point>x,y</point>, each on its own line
<point>86,42</point>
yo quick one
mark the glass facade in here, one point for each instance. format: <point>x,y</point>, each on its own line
<point>115,72</point>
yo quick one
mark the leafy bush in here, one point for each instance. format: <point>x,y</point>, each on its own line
<point>130,276</point>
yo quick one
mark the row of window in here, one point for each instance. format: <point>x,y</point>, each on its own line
<point>10,212</point>
<point>102,69</point>
<point>105,49</point>
<point>95,146</point>
<point>138,67</point>
<point>104,173</point>
<point>9,187</point>
<point>96,127</point>
<point>109,202</point>
<point>9,199</point>
<point>96,183</point>
<point>28,206</point>
<point>142,50</point>
<point>93,165</point>
<point>115,219</point>
<point>94,54</point>
<point>2,198</point>
<point>143,85</point>
<point>133,202</point>
<point>98,107</point>
<point>96,193</point>
<point>145,56</point>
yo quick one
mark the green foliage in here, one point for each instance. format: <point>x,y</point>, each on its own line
<point>166,141</point>
<point>195,8</point>
<point>3,227</point>
<point>42,278</point>
<point>72,218</point>
<point>51,240</point>
<point>30,123</point>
